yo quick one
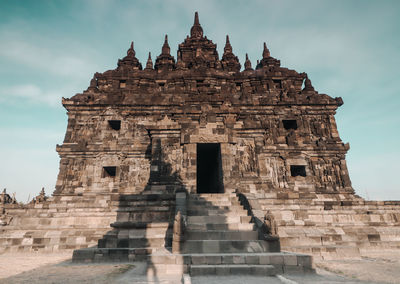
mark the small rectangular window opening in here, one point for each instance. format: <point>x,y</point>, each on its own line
<point>290,124</point>
<point>278,83</point>
<point>297,171</point>
<point>122,84</point>
<point>109,171</point>
<point>238,86</point>
<point>115,124</point>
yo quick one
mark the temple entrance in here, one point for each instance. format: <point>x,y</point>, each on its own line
<point>209,168</point>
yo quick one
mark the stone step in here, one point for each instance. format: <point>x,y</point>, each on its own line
<point>216,212</point>
<point>212,195</point>
<point>211,204</point>
<point>328,252</point>
<point>213,198</point>
<point>219,227</point>
<point>165,203</point>
<point>221,235</point>
<point>233,269</point>
<point>360,241</point>
<point>231,208</point>
<point>146,197</point>
<point>151,232</point>
<point>346,233</point>
<point>114,242</point>
<point>87,255</point>
<point>226,246</point>
<point>218,219</point>
<point>280,260</point>
<point>144,217</point>
<point>140,225</point>
<point>273,258</point>
<point>144,209</point>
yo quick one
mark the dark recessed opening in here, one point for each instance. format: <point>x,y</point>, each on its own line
<point>115,124</point>
<point>122,84</point>
<point>278,83</point>
<point>209,168</point>
<point>290,124</point>
<point>161,84</point>
<point>298,171</point>
<point>109,171</point>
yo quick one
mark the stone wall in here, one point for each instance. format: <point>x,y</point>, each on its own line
<point>333,226</point>
<point>59,223</point>
<point>252,150</point>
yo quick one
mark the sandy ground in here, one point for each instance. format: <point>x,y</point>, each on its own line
<point>54,268</point>
<point>375,267</point>
<point>382,267</point>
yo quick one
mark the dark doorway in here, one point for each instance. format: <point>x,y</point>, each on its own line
<point>209,168</point>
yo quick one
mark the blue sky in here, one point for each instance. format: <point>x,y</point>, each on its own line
<point>51,49</point>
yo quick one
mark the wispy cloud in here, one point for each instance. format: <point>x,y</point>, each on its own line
<point>30,93</point>
<point>44,58</point>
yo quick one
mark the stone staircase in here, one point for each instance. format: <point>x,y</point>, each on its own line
<point>219,239</point>
<point>143,227</point>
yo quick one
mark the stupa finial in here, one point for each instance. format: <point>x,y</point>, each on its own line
<point>247,63</point>
<point>131,50</point>
<point>308,85</point>
<point>165,49</point>
<point>149,64</point>
<point>196,31</point>
<point>196,19</point>
<point>228,46</point>
<point>266,52</point>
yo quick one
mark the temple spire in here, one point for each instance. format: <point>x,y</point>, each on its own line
<point>165,61</point>
<point>149,64</point>
<point>131,50</point>
<point>166,49</point>
<point>93,83</point>
<point>229,61</point>
<point>228,46</point>
<point>196,31</point>
<point>266,52</point>
<point>130,59</point>
<point>267,61</point>
<point>308,87</point>
<point>247,63</point>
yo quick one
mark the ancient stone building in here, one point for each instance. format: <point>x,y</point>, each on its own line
<point>201,123</point>
<point>196,155</point>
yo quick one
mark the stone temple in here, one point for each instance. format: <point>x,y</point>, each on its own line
<point>195,164</point>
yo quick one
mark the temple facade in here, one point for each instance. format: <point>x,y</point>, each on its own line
<point>203,123</point>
